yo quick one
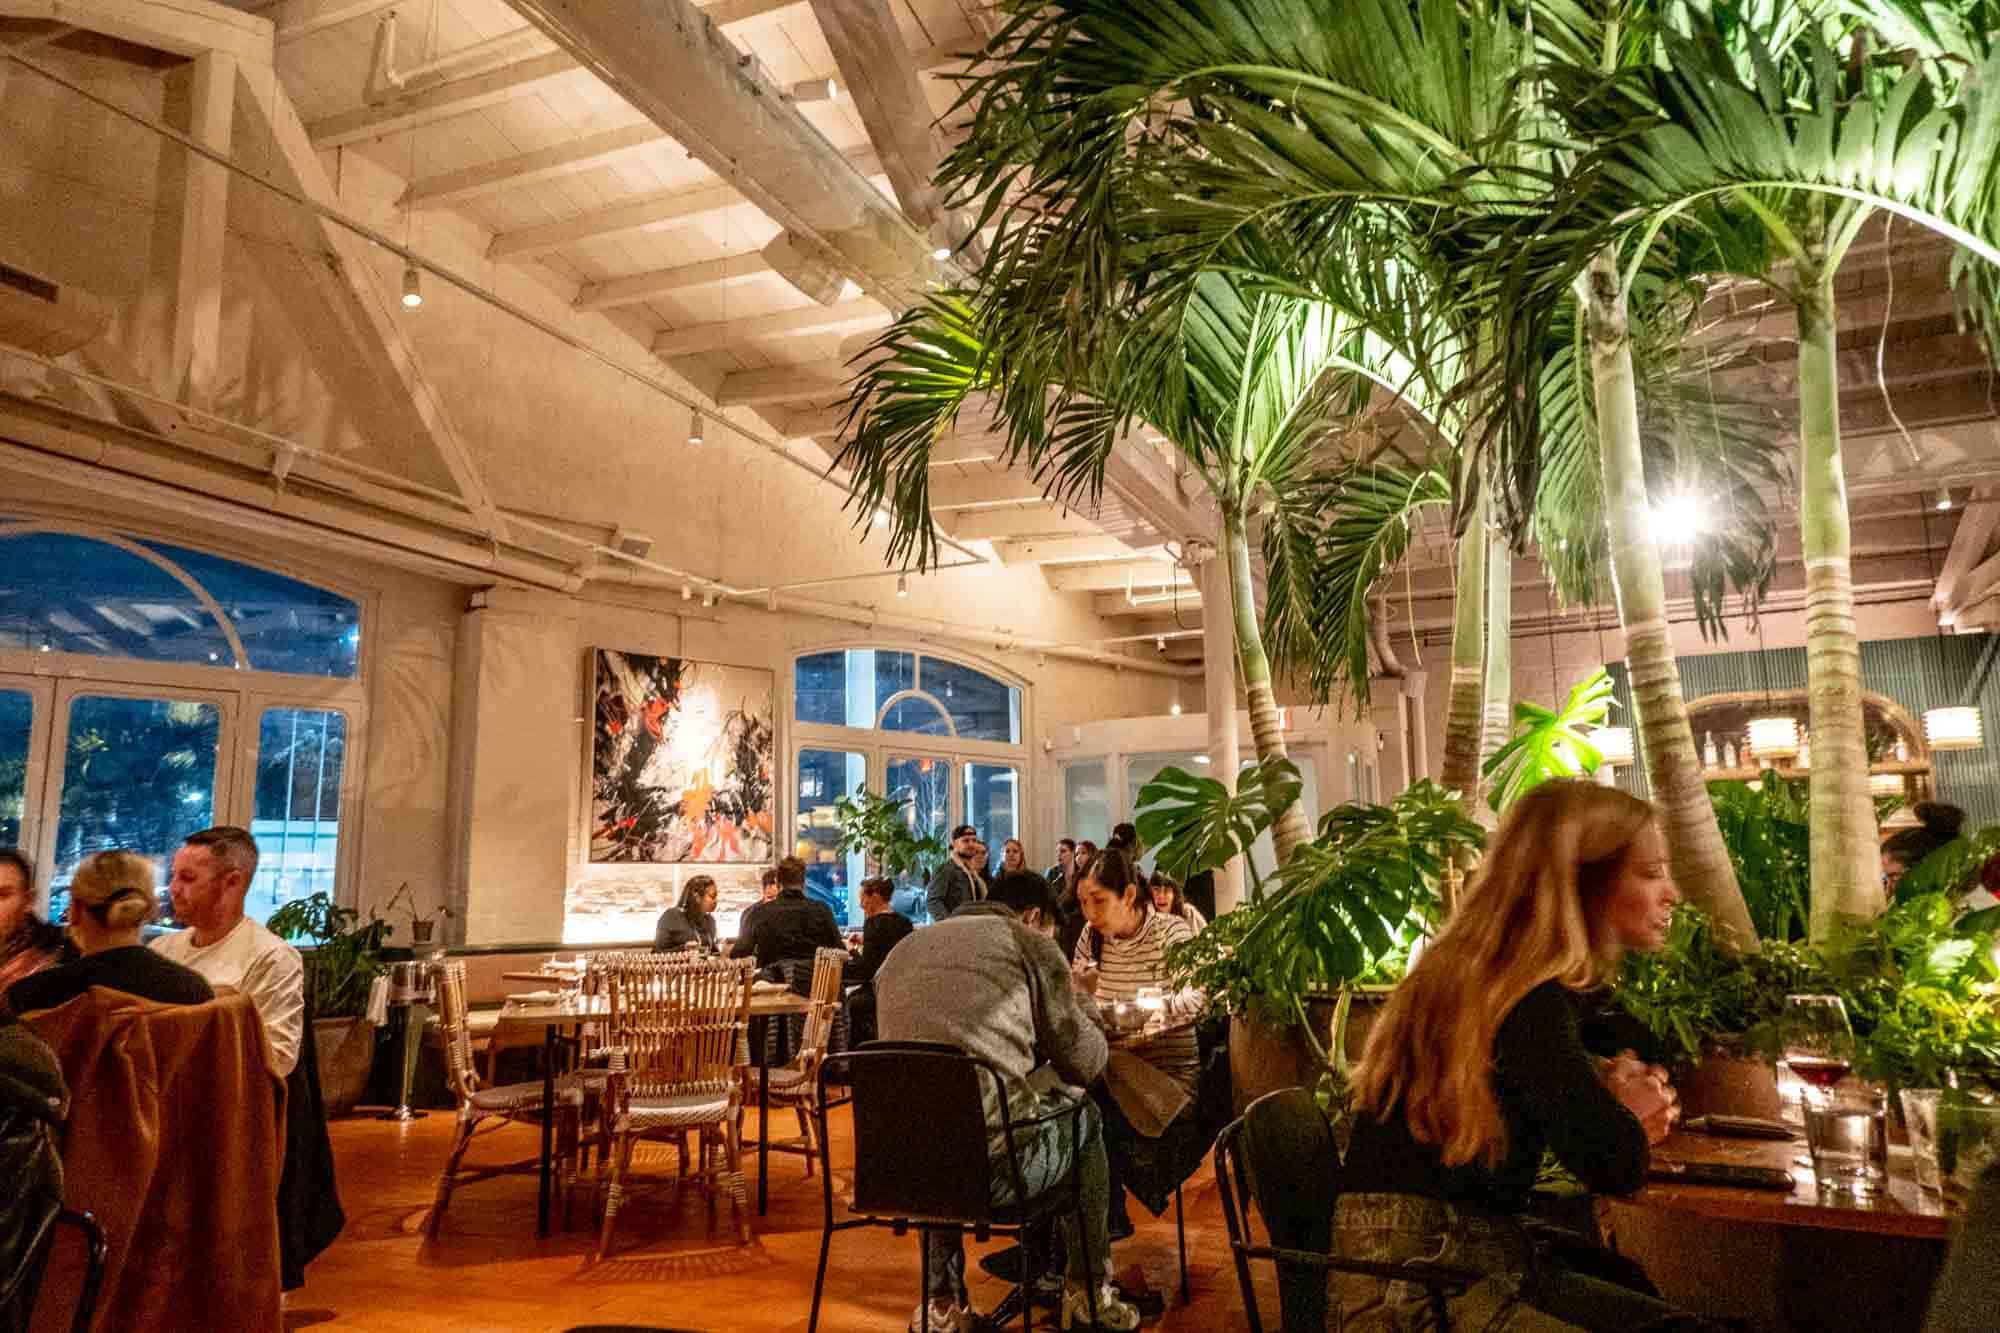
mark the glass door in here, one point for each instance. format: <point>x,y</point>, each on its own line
<point>922,784</point>
<point>138,769</point>
<point>26,707</point>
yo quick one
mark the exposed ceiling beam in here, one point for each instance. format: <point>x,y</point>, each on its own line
<point>441,101</point>
<point>642,287</point>
<point>337,265</point>
<point>1141,575</point>
<point>1977,524</point>
<point>983,490</point>
<point>780,323</point>
<point>297,19</point>
<point>647,213</point>
<point>563,159</point>
<point>1021,524</point>
<point>888,93</point>
<point>1060,550</point>
<point>678,69</point>
<point>779,384</point>
<point>180,27</point>
<point>1114,606</point>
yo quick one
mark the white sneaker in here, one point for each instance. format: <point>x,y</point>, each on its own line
<point>946,1317</point>
<point>1113,1313</point>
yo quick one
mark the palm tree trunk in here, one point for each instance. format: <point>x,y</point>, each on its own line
<point>1694,844</point>
<point>1468,660</point>
<point>1290,831</point>
<point>1846,866</point>
<point>1499,687</point>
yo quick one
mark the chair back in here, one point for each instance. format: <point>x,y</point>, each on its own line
<point>917,1156</point>
<point>1283,1157</point>
<point>679,1022</point>
<point>455,1025</point>
<point>829,966</point>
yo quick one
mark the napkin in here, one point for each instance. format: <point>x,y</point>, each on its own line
<point>536,997</point>
<point>377,1009</point>
<point>1150,1099</point>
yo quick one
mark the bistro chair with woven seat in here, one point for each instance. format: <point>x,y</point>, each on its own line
<point>478,1104</point>
<point>676,1039</point>
<point>796,1084</point>
<point>1281,1157</point>
<point>921,1154</point>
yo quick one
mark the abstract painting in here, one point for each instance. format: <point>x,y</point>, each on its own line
<point>681,761</point>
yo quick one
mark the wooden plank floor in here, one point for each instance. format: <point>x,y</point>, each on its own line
<point>488,1272</point>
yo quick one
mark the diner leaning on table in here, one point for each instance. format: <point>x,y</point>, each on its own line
<point>1479,1062</point>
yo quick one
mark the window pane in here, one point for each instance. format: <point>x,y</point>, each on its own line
<point>1143,768</point>
<point>17,718</point>
<point>301,753</point>
<point>993,805</point>
<point>138,774</point>
<point>832,877</point>
<point>916,714</point>
<point>849,687</point>
<point>922,786</point>
<point>1086,802</point>
<point>79,595</point>
<point>981,707</point>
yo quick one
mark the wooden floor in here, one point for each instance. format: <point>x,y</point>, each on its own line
<point>488,1272</point>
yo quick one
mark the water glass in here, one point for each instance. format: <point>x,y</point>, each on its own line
<point>1920,1112</point>
<point>1847,1131</point>
<point>1968,1143</point>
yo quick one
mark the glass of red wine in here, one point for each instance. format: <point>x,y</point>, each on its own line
<point>1819,1044</point>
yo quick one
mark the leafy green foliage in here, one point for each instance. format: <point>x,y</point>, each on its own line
<point>1196,823</point>
<point>1697,997</point>
<point>1765,832</point>
<point>344,954</point>
<point>1952,869</point>
<point>1549,743</point>
<point>1345,905</point>
<point>877,827</point>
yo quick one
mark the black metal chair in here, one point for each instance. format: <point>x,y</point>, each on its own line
<point>920,1152</point>
<point>95,1251</point>
<point>1281,1155</point>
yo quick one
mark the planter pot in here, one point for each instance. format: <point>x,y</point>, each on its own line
<point>1726,1084</point>
<point>420,931</point>
<point>346,1050</point>
<point>1265,1057</point>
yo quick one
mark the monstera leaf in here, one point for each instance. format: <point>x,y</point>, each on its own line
<point>1198,824</point>
<point>1549,744</point>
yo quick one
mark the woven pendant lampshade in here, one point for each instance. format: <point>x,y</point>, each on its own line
<point>1885,784</point>
<point>1774,737</point>
<point>1956,728</point>
<point>1614,744</point>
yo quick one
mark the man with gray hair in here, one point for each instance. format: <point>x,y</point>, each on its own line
<point>212,874</point>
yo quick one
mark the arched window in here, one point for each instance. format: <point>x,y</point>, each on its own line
<point>148,690</point>
<point>941,737</point>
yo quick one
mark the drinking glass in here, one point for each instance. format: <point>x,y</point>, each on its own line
<point>1968,1143</point>
<point>1920,1111</point>
<point>1819,1045</point>
<point>1847,1131</point>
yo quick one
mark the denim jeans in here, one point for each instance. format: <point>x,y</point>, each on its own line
<point>1046,1155</point>
<point>1397,1228</point>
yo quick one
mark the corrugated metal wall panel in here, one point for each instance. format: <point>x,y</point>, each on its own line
<point>1916,673</point>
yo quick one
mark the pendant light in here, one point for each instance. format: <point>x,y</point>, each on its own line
<point>1774,735</point>
<point>1885,784</point>
<point>1949,726</point>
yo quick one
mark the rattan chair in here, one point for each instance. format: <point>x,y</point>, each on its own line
<point>796,1084</point>
<point>677,1035</point>
<point>519,1103</point>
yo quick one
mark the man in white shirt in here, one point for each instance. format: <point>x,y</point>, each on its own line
<point>212,874</point>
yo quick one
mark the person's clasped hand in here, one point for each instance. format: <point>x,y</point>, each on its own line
<point>1643,1090</point>
<point>1084,977</point>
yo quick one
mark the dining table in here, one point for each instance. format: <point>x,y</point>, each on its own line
<point>558,1015</point>
<point>1784,1260</point>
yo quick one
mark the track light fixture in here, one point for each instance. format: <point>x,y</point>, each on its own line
<point>413,287</point>
<point>695,433</point>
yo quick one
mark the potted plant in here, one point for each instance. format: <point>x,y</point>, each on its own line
<point>422,925</point>
<point>1301,967</point>
<point>343,956</point>
<point>877,827</point>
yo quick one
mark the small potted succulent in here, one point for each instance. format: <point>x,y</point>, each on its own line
<point>422,925</point>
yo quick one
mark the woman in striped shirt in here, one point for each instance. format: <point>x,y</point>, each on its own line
<point>1122,950</point>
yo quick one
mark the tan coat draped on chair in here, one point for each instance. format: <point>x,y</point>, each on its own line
<point>174,1141</point>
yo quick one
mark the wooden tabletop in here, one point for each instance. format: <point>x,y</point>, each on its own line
<point>763,1004</point>
<point>1900,1211</point>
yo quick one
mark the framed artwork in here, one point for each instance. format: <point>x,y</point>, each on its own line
<point>681,761</point>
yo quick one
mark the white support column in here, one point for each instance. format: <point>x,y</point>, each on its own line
<point>1389,714</point>
<point>1218,644</point>
<point>202,100</point>
<point>1414,683</point>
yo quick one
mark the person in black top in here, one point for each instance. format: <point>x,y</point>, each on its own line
<point>1479,1062</point>
<point>692,921</point>
<point>790,925</point>
<point>882,931</point>
<point>110,897</point>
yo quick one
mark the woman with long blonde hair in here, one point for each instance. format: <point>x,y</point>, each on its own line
<point>1481,1060</point>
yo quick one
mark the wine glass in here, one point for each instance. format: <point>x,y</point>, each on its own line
<point>1819,1044</point>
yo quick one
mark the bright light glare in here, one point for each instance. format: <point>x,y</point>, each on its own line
<point>1678,519</point>
<point>881,518</point>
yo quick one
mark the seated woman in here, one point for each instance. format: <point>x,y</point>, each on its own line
<point>27,943</point>
<point>110,897</point>
<point>1478,1063</point>
<point>1122,950</point>
<point>692,921</point>
<point>1168,898</point>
